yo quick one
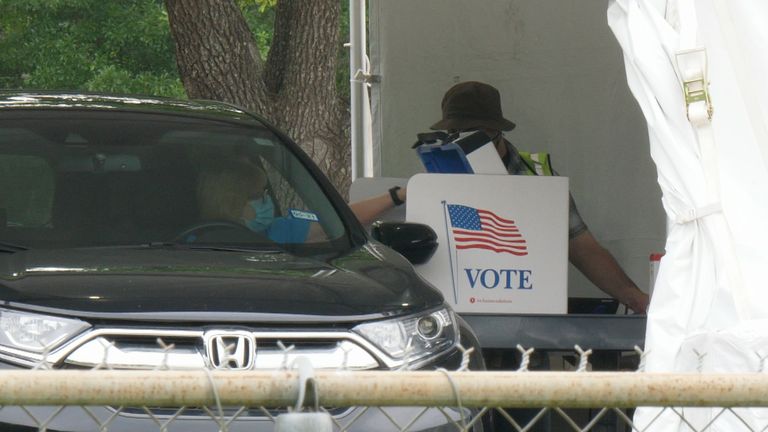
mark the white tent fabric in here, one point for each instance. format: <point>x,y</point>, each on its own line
<point>709,310</point>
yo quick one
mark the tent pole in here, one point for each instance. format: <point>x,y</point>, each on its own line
<point>361,142</point>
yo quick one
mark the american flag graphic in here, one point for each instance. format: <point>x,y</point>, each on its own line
<point>475,228</point>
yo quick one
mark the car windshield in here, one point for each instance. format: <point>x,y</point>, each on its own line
<point>98,178</point>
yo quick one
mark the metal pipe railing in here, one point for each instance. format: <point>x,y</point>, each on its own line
<point>382,388</point>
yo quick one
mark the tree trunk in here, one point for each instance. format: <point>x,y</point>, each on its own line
<point>296,90</point>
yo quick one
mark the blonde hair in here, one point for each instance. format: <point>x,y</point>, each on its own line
<point>223,192</point>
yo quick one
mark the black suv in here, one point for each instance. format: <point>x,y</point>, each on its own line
<point>141,232</point>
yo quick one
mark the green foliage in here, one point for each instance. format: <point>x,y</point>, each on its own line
<point>117,46</point>
<point>342,70</point>
<point>260,16</point>
<point>113,46</point>
<point>112,79</point>
<point>262,5</point>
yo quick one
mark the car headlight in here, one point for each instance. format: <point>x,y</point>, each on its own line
<point>36,333</point>
<point>413,337</point>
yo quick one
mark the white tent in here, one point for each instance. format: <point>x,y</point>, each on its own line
<point>709,307</point>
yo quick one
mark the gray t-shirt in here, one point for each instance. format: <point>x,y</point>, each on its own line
<point>516,166</point>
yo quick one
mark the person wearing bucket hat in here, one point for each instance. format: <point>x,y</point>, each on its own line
<point>474,105</point>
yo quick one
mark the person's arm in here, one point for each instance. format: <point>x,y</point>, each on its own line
<point>369,209</point>
<point>600,267</point>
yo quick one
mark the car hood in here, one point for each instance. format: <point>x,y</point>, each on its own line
<point>197,285</point>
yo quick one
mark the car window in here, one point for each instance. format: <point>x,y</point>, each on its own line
<point>84,179</point>
<point>26,191</point>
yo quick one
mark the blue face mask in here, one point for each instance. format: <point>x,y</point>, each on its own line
<point>264,211</point>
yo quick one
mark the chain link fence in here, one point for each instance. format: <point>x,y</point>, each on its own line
<point>297,397</point>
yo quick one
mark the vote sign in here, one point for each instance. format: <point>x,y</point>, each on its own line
<point>503,240</point>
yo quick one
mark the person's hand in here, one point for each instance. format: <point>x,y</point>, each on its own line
<point>369,209</point>
<point>639,302</point>
<point>402,194</point>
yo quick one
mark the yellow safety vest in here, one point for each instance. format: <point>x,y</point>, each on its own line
<point>537,163</point>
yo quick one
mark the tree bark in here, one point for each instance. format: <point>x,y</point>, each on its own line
<point>218,59</point>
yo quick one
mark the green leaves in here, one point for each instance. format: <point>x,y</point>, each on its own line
<point>112,46</point>
<point>262,5</point>
<point>87,45</point>
<point>260,16</point>
<point>112,79</point>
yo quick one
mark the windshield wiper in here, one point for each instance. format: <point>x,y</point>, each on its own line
<point>191,246</point>
<point>11,248</point>
<point>215,247</point>
<point>224,248</point>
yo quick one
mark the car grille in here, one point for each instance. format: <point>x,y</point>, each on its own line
<point>187,349</point>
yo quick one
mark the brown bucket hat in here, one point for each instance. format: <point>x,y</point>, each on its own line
<point>470,105</point>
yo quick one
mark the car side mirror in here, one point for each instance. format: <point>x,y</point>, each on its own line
<point>416,242</point>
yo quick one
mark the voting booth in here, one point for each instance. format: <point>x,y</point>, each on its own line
<point>502,240</point>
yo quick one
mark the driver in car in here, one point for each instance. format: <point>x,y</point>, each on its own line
<point>236,192</point>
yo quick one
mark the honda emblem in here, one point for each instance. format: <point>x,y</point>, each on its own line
<point>233,350</point>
